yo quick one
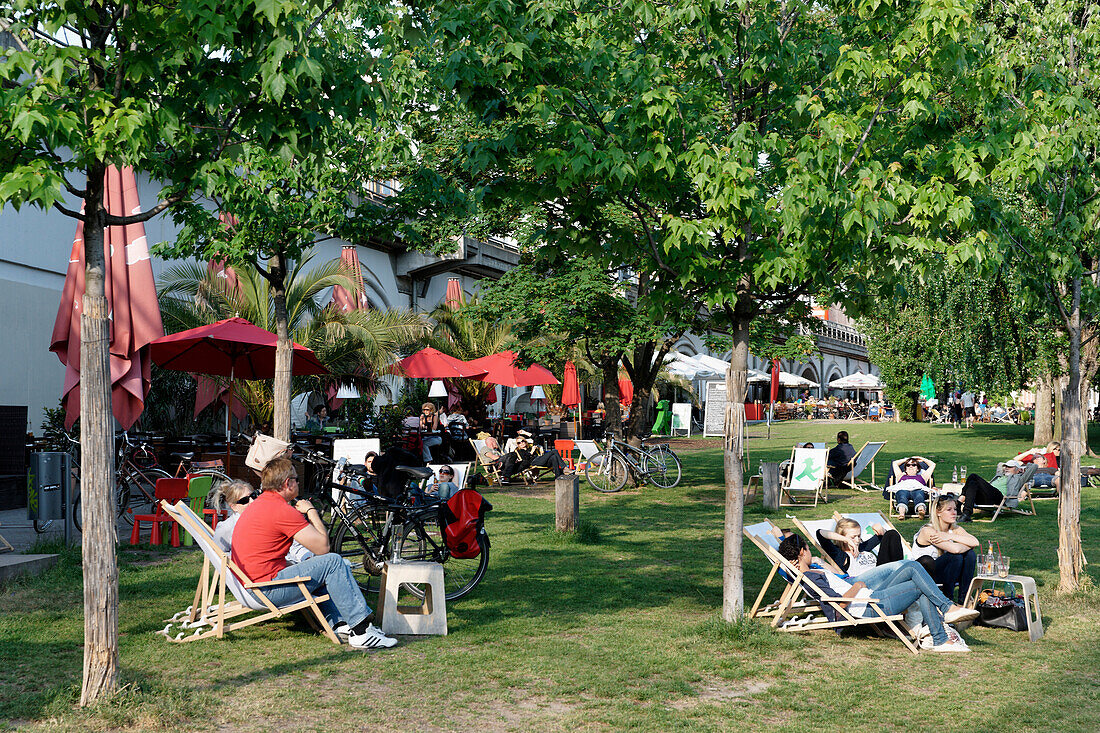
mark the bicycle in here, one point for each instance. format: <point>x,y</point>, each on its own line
<point>369,530</point>
<point>136,475</point>
<point>658,464</point>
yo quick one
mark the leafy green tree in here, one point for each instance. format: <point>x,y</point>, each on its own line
<point>355,346</point>
<point>1049,226</point>
<point>760,152</point>
<point>172,89</point>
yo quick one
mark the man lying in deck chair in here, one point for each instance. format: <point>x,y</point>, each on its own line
<point>909,584</point>
<point>263,535</point>
<point>977,490</point>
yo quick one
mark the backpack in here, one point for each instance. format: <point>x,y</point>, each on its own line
<point>462,522</point>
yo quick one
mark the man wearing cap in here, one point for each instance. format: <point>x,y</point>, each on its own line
<point>527,455</point>
<point>1008,483</point>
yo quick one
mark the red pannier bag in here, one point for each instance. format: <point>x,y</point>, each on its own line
<point>462,521</point>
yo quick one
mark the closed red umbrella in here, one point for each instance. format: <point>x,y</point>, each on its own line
<point>775,380</point>
<point>454,298</point>
<point>501,369</point>
<point>344,300</point>
<point>570,390</point>
<point>132,304</point>
<point>626,390</point>
<point>429,363</point>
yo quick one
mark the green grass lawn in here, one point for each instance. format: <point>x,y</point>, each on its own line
<point>619,632</point>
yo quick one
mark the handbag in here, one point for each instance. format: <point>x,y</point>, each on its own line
<point>263,450</point>
<point>1004,613</point>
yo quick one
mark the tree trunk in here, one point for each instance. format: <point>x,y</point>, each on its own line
<point>100,534</point>
<point>284,351</point>
<point>613,420</point>
<point>1044,423</point>
<point>1070,557</point>
<point>643,373</point>
<point>1090,364</point>
<point>1059,390</point>
<point>733,580</point>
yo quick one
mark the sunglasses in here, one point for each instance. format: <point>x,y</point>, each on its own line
<point>248,497</point>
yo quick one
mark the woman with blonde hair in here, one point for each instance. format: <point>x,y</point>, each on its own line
<point>429,430</point>
<point>947,547</point>
<point>235,496</point>
<point>855,556</point>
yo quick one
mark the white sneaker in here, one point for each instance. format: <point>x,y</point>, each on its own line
<point>951,646</point>
<point>342,631</point>
<point>372,638</point>
<point>919,631</point>
<point>925,642</point>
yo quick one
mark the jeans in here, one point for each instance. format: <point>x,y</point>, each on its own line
<point>425,446</point>
<point>345,601</point>
<point>910,584</point>
<point>916,496</point>
<point>955,571</point>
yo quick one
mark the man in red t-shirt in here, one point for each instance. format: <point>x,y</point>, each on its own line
<point>264,533</point>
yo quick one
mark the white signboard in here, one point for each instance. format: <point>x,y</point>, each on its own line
<point>681,417</point>
<point>714,412</point>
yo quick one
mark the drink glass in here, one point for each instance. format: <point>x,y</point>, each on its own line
<point>963,474</point>
<point>1002,567</point>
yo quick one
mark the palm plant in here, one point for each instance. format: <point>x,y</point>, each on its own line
<point>355,346</point>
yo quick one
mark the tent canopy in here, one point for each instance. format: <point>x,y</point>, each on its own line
<point>859,380</point>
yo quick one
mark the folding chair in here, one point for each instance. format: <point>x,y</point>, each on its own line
<point>198,488</point>
<point>220,572</point>
<point>587,449</point>
<point>998,509</point>
<point>6,546</point>
<point>865,457</point>
<point>462,471</point>
<point>808,474</point>
<point>810,527</point>
<point>800,606</point>
<point>488,468</point>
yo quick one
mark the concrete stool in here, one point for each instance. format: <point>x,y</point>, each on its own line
<point>428,618</point>
<point>1030,594</point>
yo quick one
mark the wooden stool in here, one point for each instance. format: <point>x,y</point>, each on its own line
<point>430,617</point>
<point>1031,598</point>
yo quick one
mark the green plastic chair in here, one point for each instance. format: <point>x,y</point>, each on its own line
<point>198,488</point>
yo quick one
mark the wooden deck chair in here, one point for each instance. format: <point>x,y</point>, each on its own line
<point>5,546</point>
<point>462,471</point>
<point>220,572</point>
<point>808,474</point>
<point>810,528</point>
<point>860,461</point>
<point>866,519</point>
<point>1003,507</point>
<point>800,607</point>
<point>588,449</point>
<point>488,468</point>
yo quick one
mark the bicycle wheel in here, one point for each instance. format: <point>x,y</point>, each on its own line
<point>361,545</point>
<point>662,467</point>
<point>460,575</point>
<point>606,476</point>
<point>137,492</point>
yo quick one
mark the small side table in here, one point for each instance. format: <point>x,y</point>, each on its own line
<point>1031,598</point>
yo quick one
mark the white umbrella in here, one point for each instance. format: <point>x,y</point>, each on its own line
<point>786,379</point>
<point>684,366</point>
<point>857,381</point>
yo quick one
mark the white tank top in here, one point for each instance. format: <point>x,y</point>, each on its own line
<point>924,550</point>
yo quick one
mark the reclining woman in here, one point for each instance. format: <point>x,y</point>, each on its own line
<point>907,585</point>
<point>855,557</point>
<point>946,548</point>
<point>912,476</point>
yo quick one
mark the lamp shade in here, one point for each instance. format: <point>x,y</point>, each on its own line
<point>537,393</point>
<point>347,392</point>
<point>437,389</point>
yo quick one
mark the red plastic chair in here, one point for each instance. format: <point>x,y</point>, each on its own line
<point>170,490</point>
<point>565,450</point>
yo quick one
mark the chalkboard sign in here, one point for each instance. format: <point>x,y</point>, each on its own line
<point>681,417</point>
<point>714,413</point>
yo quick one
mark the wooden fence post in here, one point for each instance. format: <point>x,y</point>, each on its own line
<point>567,494</point>
<point>770,474</point>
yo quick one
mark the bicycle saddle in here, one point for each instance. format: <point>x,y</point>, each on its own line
<point>415,471</point>
<point>183,456</point>
<point>357,468</point>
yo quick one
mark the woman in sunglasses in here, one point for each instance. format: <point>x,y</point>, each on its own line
<point>234,497</point>
<point>947,547</point>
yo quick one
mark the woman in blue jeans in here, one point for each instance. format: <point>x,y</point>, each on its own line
<point>947,547</point>
<point>909,583</point>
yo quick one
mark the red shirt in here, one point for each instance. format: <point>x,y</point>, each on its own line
<point>263,536</point>
<point>1052,459</point>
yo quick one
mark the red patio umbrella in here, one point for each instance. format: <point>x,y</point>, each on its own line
<point>454,298</point>
<point>570,390</point>
<point>501,369</point>
<point>233,348</point>
<point>132,304</point>
<point>626,391</point>
<point>429,363</point>
<point>775,380</point>
<point>344,300</point>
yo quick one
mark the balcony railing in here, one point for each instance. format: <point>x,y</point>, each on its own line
<point>836,332</point>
